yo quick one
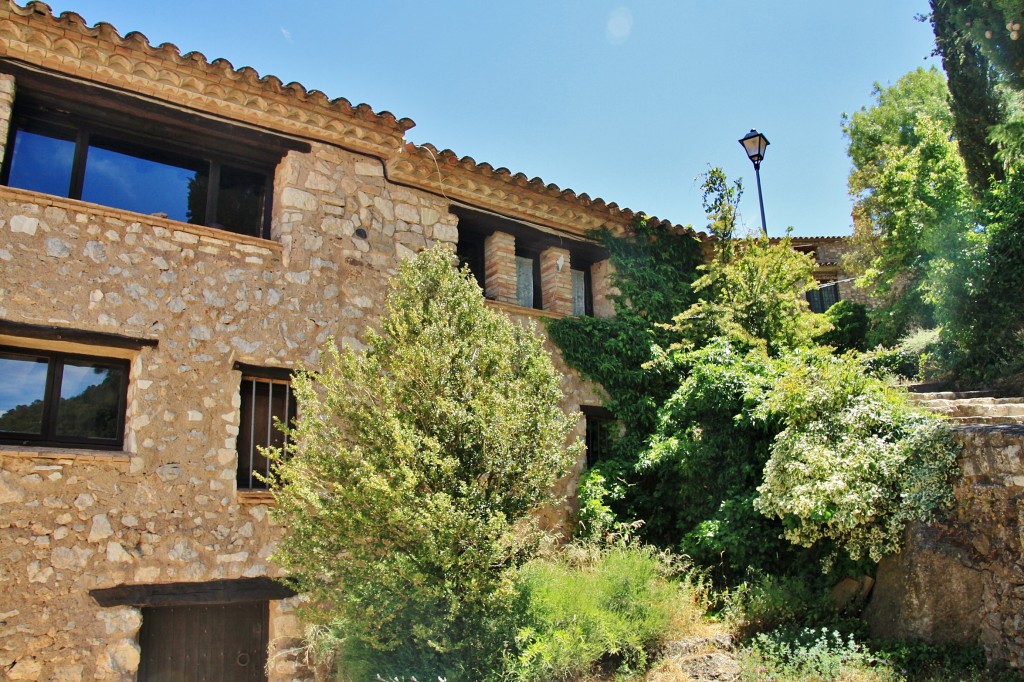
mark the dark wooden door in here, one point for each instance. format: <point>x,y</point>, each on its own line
<point>207,643</point>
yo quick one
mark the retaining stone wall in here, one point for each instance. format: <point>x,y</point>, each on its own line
<point>962,580</point>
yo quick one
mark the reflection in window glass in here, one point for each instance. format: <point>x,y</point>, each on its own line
<point>240,201</point>
<point>579,292</point>
<point>524,281</point>
<point>135,183</point>
<point>89,399</point>
<point>42,163</point>
<point>21,393</point>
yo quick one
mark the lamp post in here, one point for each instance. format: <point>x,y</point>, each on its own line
<point>754,143</point>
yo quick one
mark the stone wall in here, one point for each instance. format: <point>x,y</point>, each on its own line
<point>166,509</point>
<point>962,580</point>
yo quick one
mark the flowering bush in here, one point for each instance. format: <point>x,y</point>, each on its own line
<point>855,462</point>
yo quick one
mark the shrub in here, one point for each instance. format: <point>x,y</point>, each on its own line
<point>414,471</point>
<point>766,602</point>
<point>855,462</point>
<point>812,655</point>
<point>604,607</point>
<point>849,326</point>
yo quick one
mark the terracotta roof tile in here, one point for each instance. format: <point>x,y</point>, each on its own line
<point>134,40</point>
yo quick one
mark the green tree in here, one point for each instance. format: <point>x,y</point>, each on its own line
<point>913,208</point>
<point>995,26</point>
<point>754,292</point>
<point>413,474</point>
<point>975,103</point>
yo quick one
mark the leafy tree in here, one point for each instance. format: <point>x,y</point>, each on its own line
<point>412,475</point>
<point>913,209</point>
<point>995,26</point>
<point>754,291</point>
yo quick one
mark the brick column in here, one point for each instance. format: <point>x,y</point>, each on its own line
<point>500,267</point>
<point>601,288</point>
<point>6,104</point>
<point>556,280</point>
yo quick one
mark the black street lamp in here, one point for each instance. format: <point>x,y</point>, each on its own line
<point>754,143</point>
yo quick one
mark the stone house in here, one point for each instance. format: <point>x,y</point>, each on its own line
<point>835,282</point>
<point>176,236</point>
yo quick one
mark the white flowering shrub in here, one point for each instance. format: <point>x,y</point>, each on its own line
<point>855,461</point>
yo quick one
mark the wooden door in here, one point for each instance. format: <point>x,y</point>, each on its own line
<point>204,643</point>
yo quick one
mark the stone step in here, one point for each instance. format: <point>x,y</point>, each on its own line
<point>989,421</point>
<point>960,409</point>
<point>943,402</point>
<point>957,395</point>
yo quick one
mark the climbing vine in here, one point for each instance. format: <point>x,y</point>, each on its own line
<point>654,268</point>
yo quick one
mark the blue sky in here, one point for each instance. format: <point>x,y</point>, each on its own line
<point>626,101</point>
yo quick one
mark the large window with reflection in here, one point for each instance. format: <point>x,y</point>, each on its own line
<point>112,169</point>
<point>82,142</point>
<point>62,399</point>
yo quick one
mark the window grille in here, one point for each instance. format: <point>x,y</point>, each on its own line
<point>265,403</point>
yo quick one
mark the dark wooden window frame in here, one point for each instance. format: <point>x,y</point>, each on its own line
<point>87,110</point>
<point>598,420</point>
<point>251,375</point>
<point>51,398</point>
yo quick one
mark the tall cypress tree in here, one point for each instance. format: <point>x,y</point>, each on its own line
<point>975,104</point>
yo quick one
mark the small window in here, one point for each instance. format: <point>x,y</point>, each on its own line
<point>823,297</point>
<point>470,251</point>
<point>60,399</point>
<point>582,301</point>
<point>528,292</point>
<point>266,401</point>
<point>599,433</point>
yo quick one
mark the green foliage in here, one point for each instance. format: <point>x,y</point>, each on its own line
<point>974,98</point>
<point>601,607</point>
<point>995,26</point>
<point>812,655</point>
<point>654,268</point>
<point>850,326</point>
<point>710,451</point>
<point>920,355</point>
<point>854,463</point>
<point>766,602</point>
<point>721,204</point>
<point>990,328</point>
<point>753,292</point>
<point>413,471</point>
<point>913,208</point>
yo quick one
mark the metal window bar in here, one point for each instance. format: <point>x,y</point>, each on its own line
<point>248,479</point>
<point>252,429</point>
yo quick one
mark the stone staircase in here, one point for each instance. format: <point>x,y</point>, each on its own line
<point>990,407</point>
